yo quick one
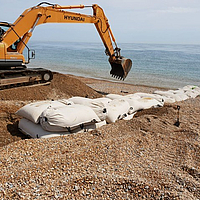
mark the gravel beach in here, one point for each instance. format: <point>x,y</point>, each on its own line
<point>147,157</point>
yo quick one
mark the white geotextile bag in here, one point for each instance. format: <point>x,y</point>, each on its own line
<point>191,91</point>
<point>134,95</point>
<point>80,100</point>
<point>181,93</point>
<point>117,109</point>
<point>114,96</point>
<point>36,131</point>
<point>100,109</point>
<point>167,99</point>
<point>149,102</point>
<point>67,118</point>
<point>119,97</point>
<point>190,87</point>
<point>97,105</point>
<point>158,97</point>
<point>177,95</point>
<point>65,101</point>
<point>169,94</point>
<point>103,100</point>
<point>93,126</point>
<point>142,103</point>
<point>129,117</point>
<point>87,101</point>
<point>33,111</point>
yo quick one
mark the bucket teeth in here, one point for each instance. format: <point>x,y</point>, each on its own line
<point>117,77</point>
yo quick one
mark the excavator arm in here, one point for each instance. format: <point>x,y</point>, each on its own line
<point>21,30</point>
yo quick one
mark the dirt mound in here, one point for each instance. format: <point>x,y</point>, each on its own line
<point>62,86</point>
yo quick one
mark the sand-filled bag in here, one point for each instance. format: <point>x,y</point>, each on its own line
<point>120,97</point>
<point>190,87</point>
<point>191,91</point>
<point>117,109</point>
<point>36,131</point>
<point>80,100</point>
<point>103,100</point>
<point>67,118</point>
<point>181,93</point>
<point>142,103</point>
<point>33,111</point>
<point>98,105</point>
<point>177,95</point>
<point>100,109</point>
<point>114,96</point>
<point>65,101</point>
<point>130,116</point>
<point>138,95</point>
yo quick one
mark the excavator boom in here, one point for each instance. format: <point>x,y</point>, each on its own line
<point>14,37</point>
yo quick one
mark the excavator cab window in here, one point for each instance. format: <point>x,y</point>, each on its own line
<point>4,26</point>
<point>14,45</point>
<point>1,31</point>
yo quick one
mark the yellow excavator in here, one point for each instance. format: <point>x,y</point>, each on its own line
<point>14,38</point>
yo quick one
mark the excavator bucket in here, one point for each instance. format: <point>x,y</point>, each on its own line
<point>120,67</point>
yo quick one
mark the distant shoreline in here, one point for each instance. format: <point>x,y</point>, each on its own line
<point>89,80</point>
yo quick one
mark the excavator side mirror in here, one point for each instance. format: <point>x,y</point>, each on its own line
<point>32,54</point>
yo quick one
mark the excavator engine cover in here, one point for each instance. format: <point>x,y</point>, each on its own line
<point>120,67</point>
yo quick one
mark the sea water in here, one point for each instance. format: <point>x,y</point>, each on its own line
<point>160,65</point>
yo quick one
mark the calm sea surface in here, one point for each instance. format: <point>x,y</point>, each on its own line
<point>161,65</point>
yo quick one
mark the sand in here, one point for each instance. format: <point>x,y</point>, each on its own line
<point>147,157</point>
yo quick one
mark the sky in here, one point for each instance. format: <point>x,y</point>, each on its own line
<point>132,21</point>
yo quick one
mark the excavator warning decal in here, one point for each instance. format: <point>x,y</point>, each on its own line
<point>67,17</point>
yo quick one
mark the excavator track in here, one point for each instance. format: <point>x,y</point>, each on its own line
<point>11,78</point>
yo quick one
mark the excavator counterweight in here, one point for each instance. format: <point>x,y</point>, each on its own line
<point>14,38</point>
